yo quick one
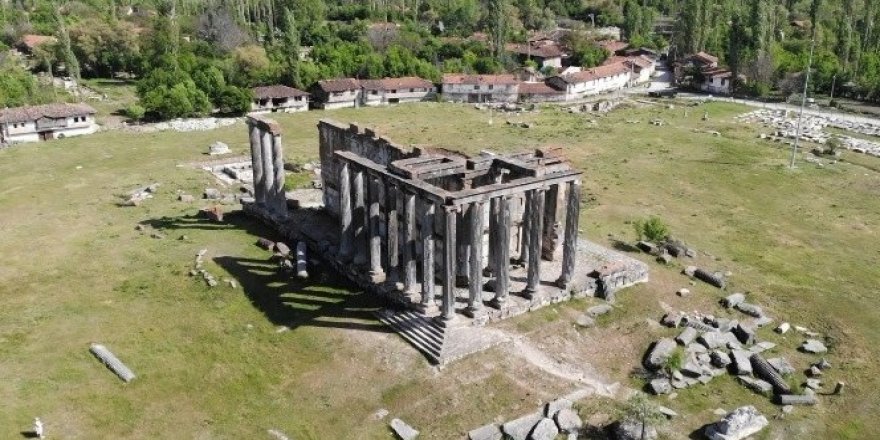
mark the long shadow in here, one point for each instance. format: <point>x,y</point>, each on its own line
<point>325,299</point>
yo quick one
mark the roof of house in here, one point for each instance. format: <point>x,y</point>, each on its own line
<point>537,88</point>
<point>339,85</point>
<point>277,91</point>
<point>613,45</point>
<point>704,57</point>
<point>546,50</point>
<point>54,111</point>
<point>595,73</point>
<point>720,72</point>
<point>458,78</point>
<point>640,61</point>
<point>31,40</point>
<point>407,82</point>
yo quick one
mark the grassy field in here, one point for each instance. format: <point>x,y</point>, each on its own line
<point>212,364</point>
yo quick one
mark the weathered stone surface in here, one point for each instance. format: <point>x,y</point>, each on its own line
<point>214,213</point>
<point>599,310</point>
<point>814,384</point>
<point>823,364</point>
<point>733,300</point>
<point>488,432</point>
<point>759,386</point>
<point>520,428</point>
<point>744,333</point>
<point>672,319</point>
<point>545,430</point>
<point>783,328</point>
<point>690,270</point>
<point>741,363</point>
<point>683,292</point>
<point>568,421</point>
<point>660,353</point>
<point>686,336</point>
<point>212,194</point>
<point>664,258</point>
<point>750,309</point>
<point>660,386</point>
<point>265,243</point>
<point>720,359</point>
<point>218,148</point>
<point>403,431</point>
<point>781,365</point>
<point>555,406</point>
<point>585,321</point>
<point>762,347</point>
<point>737,425</point>
<point>814,371</point>
<point>813,346</point>
<point>633,430</point>
<point>712,340</point>
<point>647,247</point>
<point>762,321</point>
<point>668,412</point>
<point>282,248</point>
<point>710,278</point>
<point>765,371</point>
<point>796,399</point>
<point>186,198</point>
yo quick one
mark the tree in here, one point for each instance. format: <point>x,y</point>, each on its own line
<point>498,27</point>
<point>640,409</point>
<point>234,100</point>
<point>70,62</point>
<point>652,229</point>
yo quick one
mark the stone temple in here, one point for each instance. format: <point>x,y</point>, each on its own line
<point>451,241</point>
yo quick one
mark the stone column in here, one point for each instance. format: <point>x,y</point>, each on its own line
<point>377,275</point>
<point>553,204</point>
<point>463,249</point>
<point>502,248</point>
<point>257,163</point>
<point>525,235</point>
<point>536,226</point>
<point>268,180</point>
<point>493,234</point>
<point>359,215</point>
<point>569,245</point>
<point>428,256</point>
<point>450,250</point>
<point>280,198</point>
<point>346,231</point>
<point>393,206</point>
<point>475,282</point>
<point>409,242</point>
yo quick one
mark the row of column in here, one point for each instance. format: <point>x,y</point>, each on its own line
<point>395,259</point>
<point>267,160</point>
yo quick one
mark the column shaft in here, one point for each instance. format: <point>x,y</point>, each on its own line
<point>257,163</point>
<point>376,273</point>
<point>359,215</point>
<point>475,282</point>
<point>268,180</point>
<point>552,227</point>
<point>569,244</point>
<point>428,255</point>
<point>536,226</point>
<point>450,216</point>
<point>502,249</point>
<point>525,236</point>
<point>346,232</point>
<point>280,197</point>
<point>393,205</point>
<point>409,242</point>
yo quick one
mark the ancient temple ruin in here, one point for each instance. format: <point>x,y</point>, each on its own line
<point>426,223</point>
<point>449,240</point>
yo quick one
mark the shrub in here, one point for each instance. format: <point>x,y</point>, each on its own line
<point>652,229</point>
<point>674,361</point>
<point>135,112</point>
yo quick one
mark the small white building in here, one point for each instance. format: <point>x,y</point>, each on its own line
<point>641,67</point>
<point>593,81</point>
<point>386,91</point>
<point>279,98</point>
<point>480,88</point>
<point>717,81</point>
<point>44,122</point>
<point>337,93</point>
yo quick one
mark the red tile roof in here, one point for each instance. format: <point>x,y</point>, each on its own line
<point>53,111</point>
<point>536,50</point>
<point>595,73</point>
<point>613,45</point>
<point>537,88</point>
<point>407,82</point>
<point>277,91</point>
<point>718,72</point>
<point>457,78</point>
<point>706,58</point>
<point>339,85</point>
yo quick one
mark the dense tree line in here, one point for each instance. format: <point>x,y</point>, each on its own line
<point>193,56</point>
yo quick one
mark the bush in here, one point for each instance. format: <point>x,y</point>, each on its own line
<point>135,112</point>
<point>653,229</point>
<point>675,361</point>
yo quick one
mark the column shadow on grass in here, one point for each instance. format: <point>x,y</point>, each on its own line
<point>326,299</point>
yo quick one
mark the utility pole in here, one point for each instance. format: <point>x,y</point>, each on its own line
<point>797,138</point>
<point>833,81</point>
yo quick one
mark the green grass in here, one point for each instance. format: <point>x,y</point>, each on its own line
<point>210,361</point>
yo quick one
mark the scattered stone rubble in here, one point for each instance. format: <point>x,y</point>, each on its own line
<point>557,417</point>
<point>737,425</point>
<point>218,148</point>
<point>199,270</point>
<point>135,197</point>
<point>813,129</point>
<point>403,431</point>
<point>184,125</point>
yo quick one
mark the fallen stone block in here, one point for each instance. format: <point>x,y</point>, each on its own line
<point>568,421</point>
<point>599,310</point>
<point>212,194</point>
<point>555,406</point>
<point>783,328</point>
<point>186,198</point>
<point>712,340</point>
<point>741,363</point>
<point>813,346</point>
<point>713,279</point>
<point>633,430</point>
<point>282,249</point>
<point>744,333</point>
<point>720,359</point>
<point>687,336</point>
<point>759,386</point>
<point>668,412</point>
<point>737,425</point>
<point>658,355</point>
<point>546,429</point>
<point>733,300</point>
<point>403,431</point>
<point>672,319</point>
<point>796,399</point>
<point>585,321</point>
<point>750,309</point>
<point>781,365</point>
<point>265,243</point>
<point>660,386</point>
<point>647,247</point>
<point>112,362</point>
<point>765,371</point>
<point>520,428</point>
<point>488,432</point>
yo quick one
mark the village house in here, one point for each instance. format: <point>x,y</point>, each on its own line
<point>539,92</point>
<point>593,81</point>
<point>613,46</point>
<point>546,53</point>
<point>686,69</point>
<point>279,98</point>
<point>396,90</point>
<point>43,122</point>
<point>717,81</point>
<point>29,42</point>
<point>641,67</point>
<point>480,88</point>
<point>336,93</point>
